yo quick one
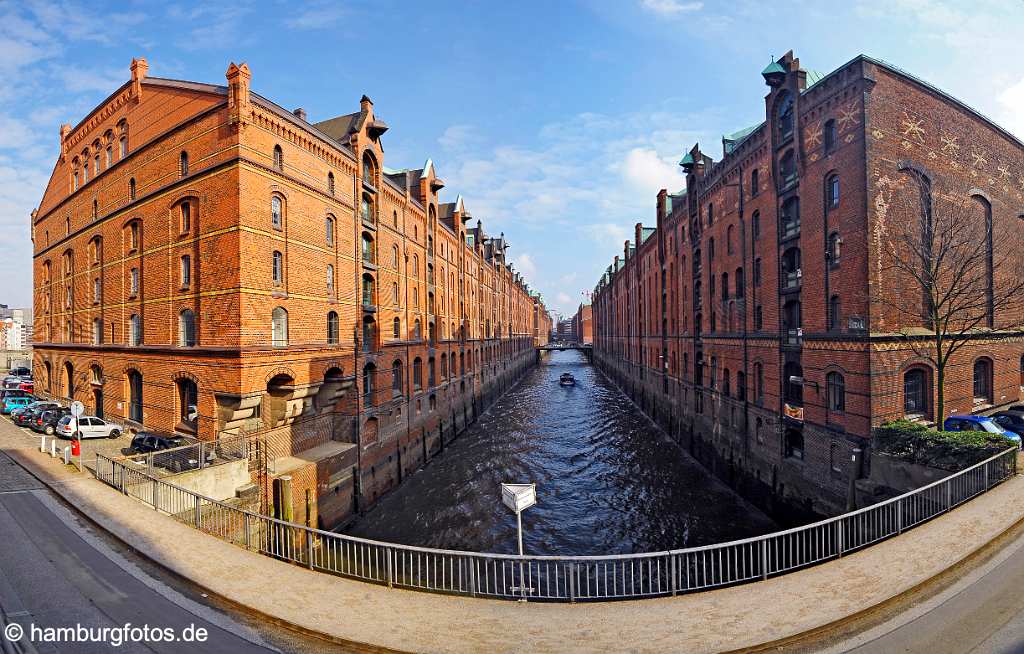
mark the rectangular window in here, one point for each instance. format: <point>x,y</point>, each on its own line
<point>186,270</point>
<point>134,281</point>
<point>123,143</point>
<point>110,155</point>
<point>186,217</point>
<point>97,290</point>
<point>96,165</point>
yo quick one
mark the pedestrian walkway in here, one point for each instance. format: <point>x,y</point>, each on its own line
<point>714,621</point>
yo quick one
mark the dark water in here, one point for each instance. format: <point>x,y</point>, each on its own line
<point>608,481</point>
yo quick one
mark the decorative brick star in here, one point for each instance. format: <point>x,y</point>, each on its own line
<point>949,145</point>
<point>1004,171</point>
<point>1020,180</point>
<point>813,135</point>
<point>979,159</point>
<point>848,115</point>
<point>912,127</point>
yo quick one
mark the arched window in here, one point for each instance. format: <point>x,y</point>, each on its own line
<point>787,168</point>
<point>95,210</point>
<point>366,208</point>
<point>834,248</point>
<point>276,212</point>
<point>369,334</point>
<point>784,116</point>
<point>983,381</point>
<point>134,330</point>
<point>278,268</point>
<point>417,374</point>
<point>396,378</point>
<point>394,257</point>
<point>133,236</point>
<point>729,234</point>
<point>830,135</point>
<point>186,271</point>
<point>832,192</point>
<point>330,279</point>
<point>329,230</point>
<point>186,328</point>
<point>754,186</point>
<point>368,294</point>
<point>369,372</point>
<point>917,393</point>
<point>188,405</point>
<point>185,217</point>
<point>794,441</point>
<point>415,265</point>
<point>741,385</point>
<point>369,168</point>
<point>367,249</point>
<point>835,390</point>
<point>725,286</point>
<point>792,381</point>
<point>394,219</point>
<point>740,283</point>
<point>989,262</point>
<point>330,183</point>
<point>183,164</point>
<point>417,330</point>
<point>791,268</point>
<point>135,395</point>
<point>835,313</point>
<point>755,226</point>
<point>431,372</point>
<point>131,189</point>
<point>278,157</point>
<point>394,293</point>
<point>332,328</point>
<point>397,333</point>
<point>279,327</point>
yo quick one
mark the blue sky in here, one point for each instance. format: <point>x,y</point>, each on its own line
<point>558,121</point>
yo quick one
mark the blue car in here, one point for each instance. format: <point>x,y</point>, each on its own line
<point>12,403</point>
<point>979,423</point>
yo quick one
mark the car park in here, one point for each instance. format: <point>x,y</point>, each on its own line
<point>86,427</point>
<point>16,402</point>
<point>979,423</point>
<point>47,421</point>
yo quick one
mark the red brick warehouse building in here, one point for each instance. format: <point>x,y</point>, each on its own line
<point>758,319</point>
<point>209,263</point>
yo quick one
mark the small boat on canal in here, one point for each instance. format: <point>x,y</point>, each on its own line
<point>567,379</point>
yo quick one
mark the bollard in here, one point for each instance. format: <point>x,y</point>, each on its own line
<point>42,443</point>
<point>53,448</point>
<point>67,456</point>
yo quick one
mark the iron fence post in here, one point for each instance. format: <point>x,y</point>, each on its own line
<point>156,493</point>
<point>248,531</point>
<point>764,558</point>
<point>389,564</point>
<point>309,549</point>
<point>840,536</point>
<point>199,519</point>
<point>472,576</point>
<point>899,517</point>
<point>672,572</point>
<point>984,469</point>
<point>949,495</point>
<point>570,572</point>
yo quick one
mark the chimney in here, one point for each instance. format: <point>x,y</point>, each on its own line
<point>65,132</point>
<point>365,103</point>
<point>238,78</point>
<point>300,113</point>
<point>139,67</point>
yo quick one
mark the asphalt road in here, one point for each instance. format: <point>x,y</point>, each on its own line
<point>55,573</point>
<point>981,613</point>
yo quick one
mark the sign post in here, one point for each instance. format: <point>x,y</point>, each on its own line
<point>519,497</point>
<point>77,409</point>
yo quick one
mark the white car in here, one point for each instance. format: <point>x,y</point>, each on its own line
<point>88,427</point>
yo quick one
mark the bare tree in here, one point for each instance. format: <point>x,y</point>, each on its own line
<point>949,277</point>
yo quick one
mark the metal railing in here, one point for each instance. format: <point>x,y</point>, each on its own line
<point>560,578</point>
<point>196,455</point>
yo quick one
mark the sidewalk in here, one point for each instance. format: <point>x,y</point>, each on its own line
<point>354,612</point>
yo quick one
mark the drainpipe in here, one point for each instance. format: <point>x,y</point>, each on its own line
<point>856,465</point>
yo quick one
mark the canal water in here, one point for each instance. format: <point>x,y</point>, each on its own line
<point>608,480</point>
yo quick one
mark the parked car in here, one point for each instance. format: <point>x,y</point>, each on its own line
<point>1010,420</point>
<point>47,421</point>
<point>88,427</point>
<point>12,392</point>
<point>145,442</point>
<point>979,423</point>
<point>16,402</point>
<point>1015,407</point>
<point>21,372</point>
<point>25,416</point>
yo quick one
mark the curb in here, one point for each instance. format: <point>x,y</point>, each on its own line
<point>31,467</point>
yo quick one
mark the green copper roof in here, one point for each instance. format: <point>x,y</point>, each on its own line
<point>646,233</point>
<point>813,77</point>
<point>730,141</point>
<point>774,67</point>
<point>687,160</point>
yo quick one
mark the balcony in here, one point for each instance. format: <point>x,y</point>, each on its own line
<point>793,337</point>
<point>791,279</point>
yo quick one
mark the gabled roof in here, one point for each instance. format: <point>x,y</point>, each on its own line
<point>646,233</point>
<point>341,128</point>
<point>732,141</point>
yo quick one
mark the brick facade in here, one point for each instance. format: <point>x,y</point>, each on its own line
<point>210,263</point>
<point>769,267</point>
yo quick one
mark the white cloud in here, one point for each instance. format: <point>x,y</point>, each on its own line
<point>647,173</point>
<point>317,17</point>
<point>563,298</point>
<point>524,264</point>
<point>670,7</point>
<point>457,137</point>
<point>1010,113</point>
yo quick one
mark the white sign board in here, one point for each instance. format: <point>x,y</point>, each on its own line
<point>519,497</point>
<point>77,409</point>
